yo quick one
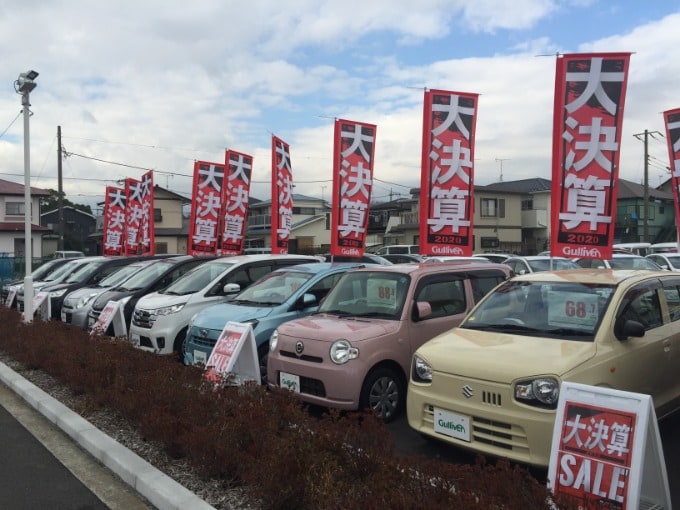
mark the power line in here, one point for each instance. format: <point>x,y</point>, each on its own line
<point>11,123</point>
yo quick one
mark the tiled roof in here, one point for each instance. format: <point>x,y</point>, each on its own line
<point>15,226</point>
<point>14,188</point>
<point>533,185</point>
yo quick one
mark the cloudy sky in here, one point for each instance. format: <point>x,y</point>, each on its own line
<point>160,84</point>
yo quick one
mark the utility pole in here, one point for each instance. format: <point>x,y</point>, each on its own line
<point>645,205</point>
<point>60,190</point>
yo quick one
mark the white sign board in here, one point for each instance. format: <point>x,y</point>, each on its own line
<point>111,313</point>
<point>10,296</point>
<point>42,305</point>
<point>234,355</point>
<point>606,449</point>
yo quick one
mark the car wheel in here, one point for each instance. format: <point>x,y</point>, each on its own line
<point>178,344</point>
<point>383,392</point>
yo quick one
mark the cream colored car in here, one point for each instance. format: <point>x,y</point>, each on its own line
<point>491,385</point>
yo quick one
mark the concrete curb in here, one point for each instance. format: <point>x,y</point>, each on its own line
<point>154,485</point>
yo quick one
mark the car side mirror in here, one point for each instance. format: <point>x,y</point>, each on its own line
<point>423,309</point>
<point>307,300</point>
<point>231,288</point>
<point>631,328</point>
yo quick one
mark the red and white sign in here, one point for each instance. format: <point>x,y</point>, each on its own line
<point>234,355</point>
<point>606,449</point>
<point>239,168</point>
<point>114,222</point>
<point>447,173</point>
<point>10,296</point>
<point>672,121</point>
<point>42,305</point>
<point>111,313</point>
<point>590,91</point>
<point>353,151</point>
<point>147,233</point>
<point>206,208</point>
<point>282,196</point>
<point>134,213</point>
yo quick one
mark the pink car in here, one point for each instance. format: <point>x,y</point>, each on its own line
<point>356,351</point>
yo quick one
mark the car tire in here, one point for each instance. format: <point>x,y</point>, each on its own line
<point>383,393</point>
<point>178,344</point>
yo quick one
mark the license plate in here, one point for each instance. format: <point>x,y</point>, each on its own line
<point>289,381</point>
<point>452,424</point>
<point>200,357</point>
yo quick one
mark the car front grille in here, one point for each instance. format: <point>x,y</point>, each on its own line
<point>302,357</point>
<point>143,319</point>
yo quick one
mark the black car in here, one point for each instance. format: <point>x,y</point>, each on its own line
<point>152,278</point>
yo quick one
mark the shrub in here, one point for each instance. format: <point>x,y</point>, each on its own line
<point>266,441</point>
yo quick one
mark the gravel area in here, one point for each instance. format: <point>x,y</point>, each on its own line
<point>219,494</point>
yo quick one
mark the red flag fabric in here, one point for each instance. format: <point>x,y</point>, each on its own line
<point>147,237</point>
<point>447,173</point>
<point>354,147</point>
<point>672,121</point>
<point>114,222</point>
<point>282,196</point>
<point>133,216</point>
<point>590,91</point>
<point>235,202</point>
<point>206,208</point>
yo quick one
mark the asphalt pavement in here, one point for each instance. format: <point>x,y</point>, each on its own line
<point>52,458</point>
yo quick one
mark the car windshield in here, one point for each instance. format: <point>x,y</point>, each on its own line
<point>632,263</point>
<point>273,289</point>
<point>198,278</point>
<point>119,275</point>
<point>63,271</point>
<point>83,273</point>
<point>562,310</point>
<point>538,265</point>
<point>674,260</point>
<point>44,270</point>
<point>379,294</point>
<point>146,276</point>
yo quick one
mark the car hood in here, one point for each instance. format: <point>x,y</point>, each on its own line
<point>109,295</point>
<point>157,300</point>
<point>502,357</point>
<point>328,328</point>
<point>83,291</point>
<point>216,316</point>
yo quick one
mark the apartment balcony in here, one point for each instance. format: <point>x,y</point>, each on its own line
<point>535,218</point>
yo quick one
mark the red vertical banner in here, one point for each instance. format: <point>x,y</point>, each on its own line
<point>447,173</point>
<point>239,168</point>
<point>590,91</point>
<point>147,236</point>
<point>114,222</point>
<point>282,196</point>
<point>672,121</point>
<point>353,151</point>
<point>133,216</point>
<point>206,208</point>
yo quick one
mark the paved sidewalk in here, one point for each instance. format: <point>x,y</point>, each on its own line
<point>53,458</point>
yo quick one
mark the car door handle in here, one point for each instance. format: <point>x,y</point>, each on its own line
<point>667,346</point>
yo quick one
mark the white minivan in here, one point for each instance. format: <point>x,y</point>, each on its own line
<point>160,319</point>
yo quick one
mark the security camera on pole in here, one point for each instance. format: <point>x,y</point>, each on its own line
<point>24,85</point>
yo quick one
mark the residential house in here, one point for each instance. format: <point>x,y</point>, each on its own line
<point>310,225</point>
<point>78,226</point>
<point>12,219</point>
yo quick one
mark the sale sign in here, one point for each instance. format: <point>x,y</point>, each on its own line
<point>282,196</point>
<point>606,449</point>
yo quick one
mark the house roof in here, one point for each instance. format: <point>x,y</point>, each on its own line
<point>533,185</point>
<point>14,226</point>
<point>14,188</point>
<point>80,211</point>
<point>629,189</point>
<point>297,197</point>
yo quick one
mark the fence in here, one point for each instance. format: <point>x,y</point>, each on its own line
<point>14,268</point>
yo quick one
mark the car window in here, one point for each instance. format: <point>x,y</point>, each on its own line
<point>323,286</point>
<point>482,284</point>
<point>446,297</point>
<point>673,300</point>
<point>198,278</point>
<point>642,305</point>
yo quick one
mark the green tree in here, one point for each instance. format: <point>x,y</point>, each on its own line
<point>51,203</point>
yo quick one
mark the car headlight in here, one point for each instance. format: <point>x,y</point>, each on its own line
<point>57,293</point>
<point>541,392</point>
<point>84,300</point>
<point>274,340</point>
<point>421,370</point>
<point>342,351</point>
<point>167,310</point>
